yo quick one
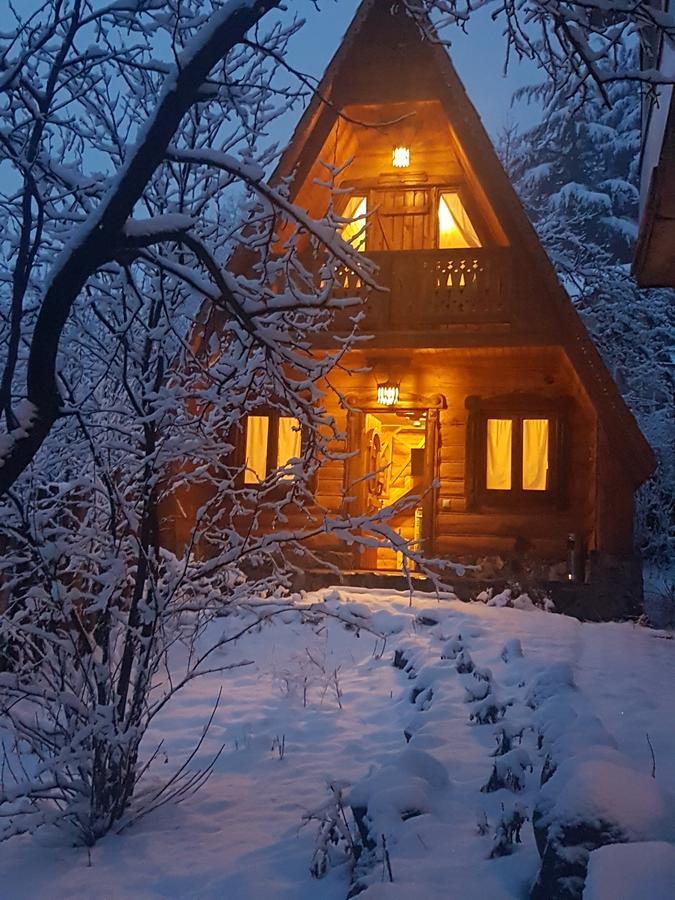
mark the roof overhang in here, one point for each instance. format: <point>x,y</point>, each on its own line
<point>654,263</point>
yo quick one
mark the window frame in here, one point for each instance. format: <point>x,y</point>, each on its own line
<point>517,408</point>
<point>273,416</point>
<point>369,190</point>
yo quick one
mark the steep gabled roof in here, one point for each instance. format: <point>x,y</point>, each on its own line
<point>424,71</point>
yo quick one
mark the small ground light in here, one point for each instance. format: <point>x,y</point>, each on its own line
<point>400,158</point>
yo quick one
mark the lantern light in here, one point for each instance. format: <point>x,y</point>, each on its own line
<point>388,394</point>
<point>400,158</point>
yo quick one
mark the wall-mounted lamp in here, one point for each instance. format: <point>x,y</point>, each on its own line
<point>388,393</point>
<point>400,157</point>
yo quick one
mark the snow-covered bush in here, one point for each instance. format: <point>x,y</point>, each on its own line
<point>588,804</point>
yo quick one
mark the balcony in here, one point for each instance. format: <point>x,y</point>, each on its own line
<point>432,290</point>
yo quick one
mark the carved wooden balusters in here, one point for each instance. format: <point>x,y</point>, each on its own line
<point>432,288</point>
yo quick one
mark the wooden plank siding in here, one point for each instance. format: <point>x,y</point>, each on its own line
<point>489,372</point>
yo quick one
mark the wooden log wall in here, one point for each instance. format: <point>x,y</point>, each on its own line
<point>491,372</point>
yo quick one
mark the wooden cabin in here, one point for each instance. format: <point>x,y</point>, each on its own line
<point>484,392</point>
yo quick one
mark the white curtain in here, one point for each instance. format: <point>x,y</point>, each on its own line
<point>257,436</point>
<point>290,441</point>
<point>499,451</point>
<point>455,231</point>
<point>535,454</point>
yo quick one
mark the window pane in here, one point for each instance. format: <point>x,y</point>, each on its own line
<point>455,230</point>
<point>257,435</point>
<point>499,450</point>
<point>535,454</point>
<point>290,441</point>
<point>355,232</point>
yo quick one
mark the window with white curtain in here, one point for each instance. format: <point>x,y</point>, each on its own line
<point>455,230</point>
<point>517,454</point>
<point>257,440</point>
<point>535,454</point>
<point>499,454</point>
<point>272,442</point>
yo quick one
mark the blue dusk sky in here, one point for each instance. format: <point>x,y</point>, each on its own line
<point>478,56</point>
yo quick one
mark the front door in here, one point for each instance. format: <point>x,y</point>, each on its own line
<point>395,462</point>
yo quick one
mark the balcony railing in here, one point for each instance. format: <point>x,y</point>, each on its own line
<point>432,289</point>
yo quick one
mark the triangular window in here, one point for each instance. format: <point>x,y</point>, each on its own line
<point>354,232</point>
<point>455,231</point>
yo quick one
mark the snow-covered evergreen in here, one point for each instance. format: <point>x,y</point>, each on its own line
<point>577,174</point>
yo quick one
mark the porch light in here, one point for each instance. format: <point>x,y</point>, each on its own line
<point>387,393</point>
<point>400,158</point>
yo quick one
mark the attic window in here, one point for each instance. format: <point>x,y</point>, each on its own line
<point>354,232</point>
<point>455,231</point>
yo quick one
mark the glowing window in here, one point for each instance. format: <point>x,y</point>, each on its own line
<point>499,454</point>
<point>354,232</point>
<point>289,441</point>
<point>272,442</point>
<point>535,454</point>
<point>257,438</point>
<point>455,230</point>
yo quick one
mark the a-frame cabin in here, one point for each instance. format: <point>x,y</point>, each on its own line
<point>483,379</point>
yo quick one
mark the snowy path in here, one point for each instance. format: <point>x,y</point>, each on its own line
<point>242,836</point>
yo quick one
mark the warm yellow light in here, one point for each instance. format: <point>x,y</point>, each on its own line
<point>455,231</point>
<point>535,454</point>
<point>400,158</point>
<point>499,451</point>
<point>354,232</point>
<point>387,394</point>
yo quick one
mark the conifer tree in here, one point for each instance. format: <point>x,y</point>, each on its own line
<point>577,173</point>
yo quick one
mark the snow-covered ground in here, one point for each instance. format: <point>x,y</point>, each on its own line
<point>322,709</point>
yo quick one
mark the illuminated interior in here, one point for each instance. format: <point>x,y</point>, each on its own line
<point>289,444</point>
<point>455,230</point>
<point>354,232</point>
<point>391,439</point>
<point>534,464</point>
<point>394,444</point>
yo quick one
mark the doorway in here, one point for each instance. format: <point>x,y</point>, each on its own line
<point>395,463</point>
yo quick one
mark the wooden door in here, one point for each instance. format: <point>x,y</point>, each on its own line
<point>402,219</point>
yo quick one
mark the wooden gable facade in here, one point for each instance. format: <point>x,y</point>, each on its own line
<point>484,392</point>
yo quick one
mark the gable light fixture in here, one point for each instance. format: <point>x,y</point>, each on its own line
<point>400,157</point>
<point>388,393</point>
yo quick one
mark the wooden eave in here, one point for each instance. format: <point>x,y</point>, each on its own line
<point>654,264</point>
<point>479,157</point>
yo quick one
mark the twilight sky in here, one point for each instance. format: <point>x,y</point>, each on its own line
<point>478,57</point>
